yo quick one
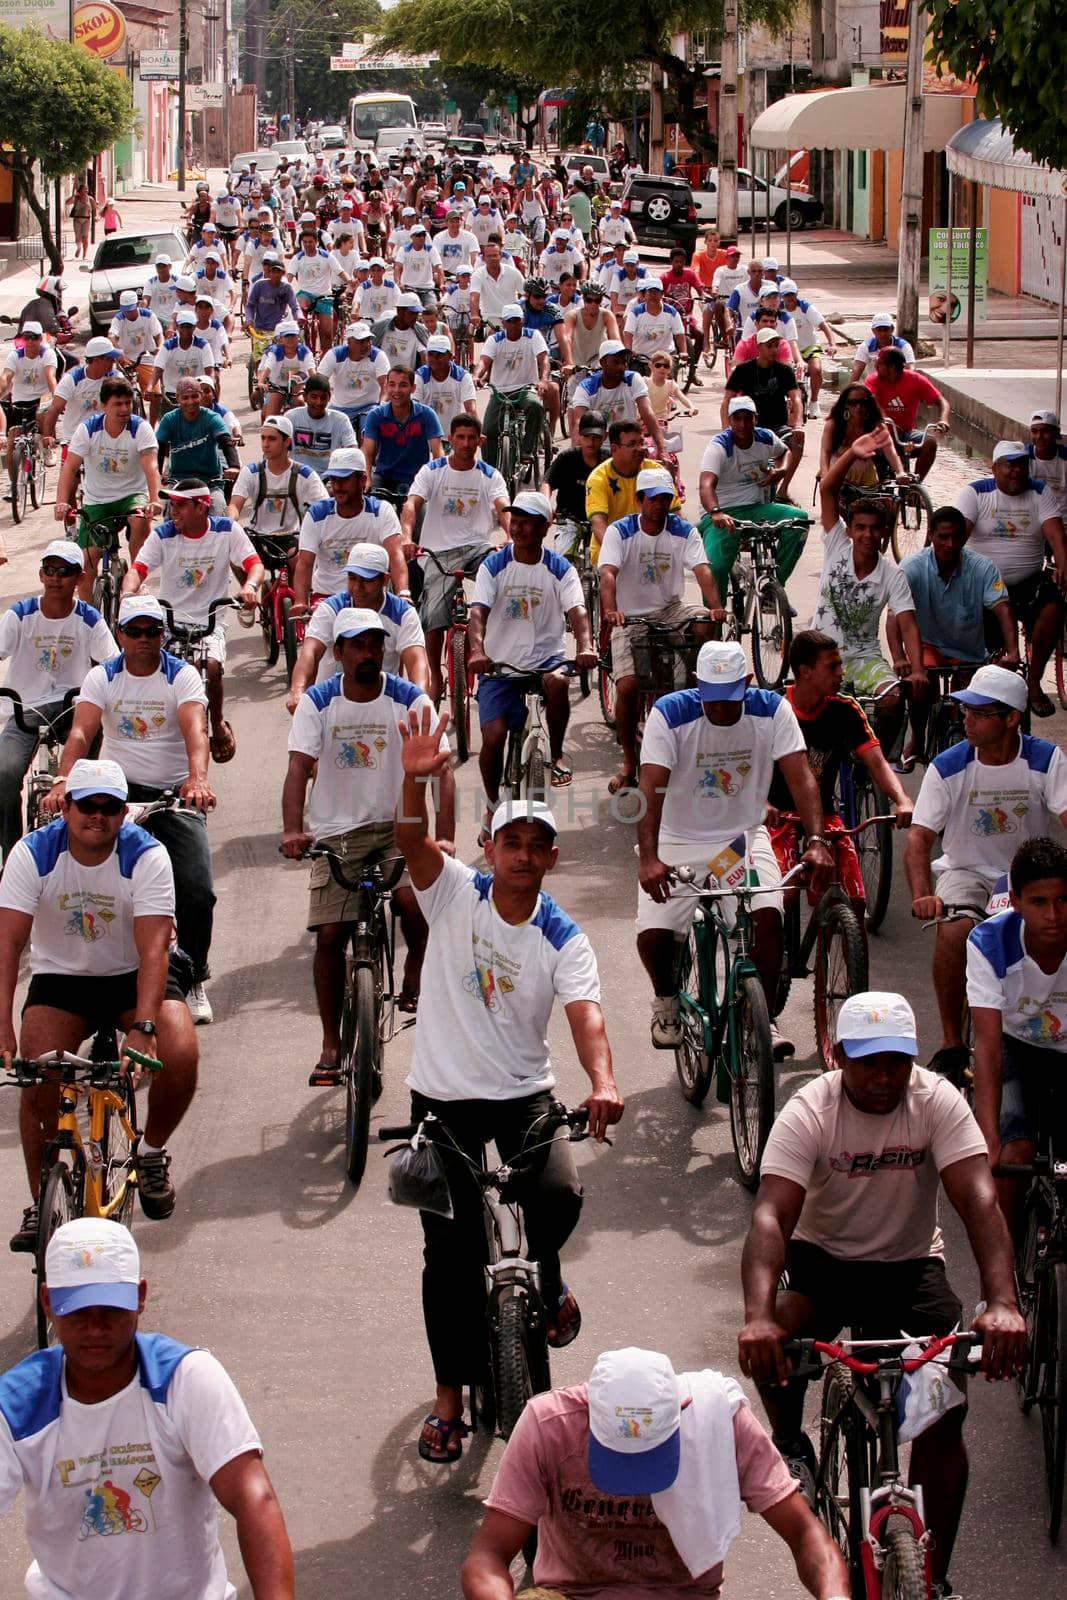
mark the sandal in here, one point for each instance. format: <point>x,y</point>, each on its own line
<point>562,774</point>
<point>324,1075</point>
<point>1041,705</point>
<point>223,745</point>
<point>622,780</point>
<point>564,1331</point>
<point>447,1427</point>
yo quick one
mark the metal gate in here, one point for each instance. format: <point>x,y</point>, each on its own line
<point>1042,241</point>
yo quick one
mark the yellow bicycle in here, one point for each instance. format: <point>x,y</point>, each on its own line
<point>89,1168</point>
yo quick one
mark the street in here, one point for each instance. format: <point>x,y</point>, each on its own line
<point>309,1293</point>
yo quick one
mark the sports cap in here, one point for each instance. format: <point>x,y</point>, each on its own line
<point>533,503</point>
<point>343,463</point>
<point>90,1261</point>
<point>213,255</point>
<point>100,346</point>
<point>438,345</point>
<point>204,299</point>
<point>766,336</point>
<point>635,1422</point>
<point>881,319</point>
<point>616,205</point>
<point>408,302</point>
<point>767,290</point>
<point>271,259</point>
<point>287,326</point>
<point>127,298</point>
<point>163,261</point>
<point>731,249</point>
<point>33,330</point>
<point>376,261</point>
<point>743,402</point>
<point>873,1022</point>
<point>611,347</point>
<point>65,550</point>
<point>1047,419</point>
<point>1010,450</point>
<point>630,258</point>
<point>140,605</point>
<point>593,422</point>
<point>96,777</point>
<point>655,481</point>
<point>358,330</point>
<point>994,686</point>
<point>368,560</point>
<point>787,286</point>
<point>769,263</point>
<point>184,318</point>
<point>354,620</point>
<point>280,425</point>
<point>185,282</point>
<point>520,809</point>
<point>722,671</point>
<point>418,228</point>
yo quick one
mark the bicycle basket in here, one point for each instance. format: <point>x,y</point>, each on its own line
<point>663,661</point>
<point>417,1178</point>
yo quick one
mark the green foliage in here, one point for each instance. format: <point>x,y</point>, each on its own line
<point>1013,49</point>
<point>58,105</point>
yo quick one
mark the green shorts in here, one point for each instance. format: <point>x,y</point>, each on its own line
<point>865,673</point>
<point>811,350</point>
<point>92,519</point>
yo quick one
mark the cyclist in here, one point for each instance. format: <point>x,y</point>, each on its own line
<point>567,1453</point>
<point>857,584</point>
<point>517,359</point>
<point>77,394</point>
<point>312,274</point>
<point>683,289</point>
<point>708,255</point>
<point>588,324</point>
<point>446,388</point>
<point>882,338</point>
<point>46,307</point>
<point>50,641</point>
<point>561,255</point>
<point>770,300</point>
<point>485,221</point>
<point>725,280</point>
<point>809,322</point>
<point>524,598</point>
<point>773,385</point>
<point>960,603</point>
<point>319,428</point>
<point>185,355</point>
<point>271,299</point>
<point>855,412</point>
<point>628,280</point>
<point>420,265</point>
<point>847,1204</point>
<point>1048,454</point>
<point>115,973</point>
<point>138,333</point>
<point>900,390</point>
<point>358,370</point>
<point>405,644</point>
<point>211,327</point>
<point>494,284</point>
<point>401,335</point>
<point>615,228</point>
<point>375,295</point>
<point>744,299</point>
<point>1011,516</point>
<point>285,360</point>
<point>331,527</point>
<point>160,293</point>
<point>26,377</point>
<point>197,442</point>
<point>706,768</point>
<point>400,435</point>
<point>739,472</point>
<point>345,741</point>
<point>611,488</point>
<point>567,479</point>
<point>277,491</point>
<point>618,395</point>
<point>747,349</point>
<point>457,246</point>
<point>118,452</point>
<point>483,1067</point>
<point>984,796</point>
<point>227,215</point>
<point>653,324</point>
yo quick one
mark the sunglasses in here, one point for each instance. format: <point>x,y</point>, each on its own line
<point>51,570</point>
<point>100,808</point>
<point>153,632</point>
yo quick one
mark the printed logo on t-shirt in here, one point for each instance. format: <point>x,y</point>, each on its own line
<point>116,464</point>
<point>108,1510</point>
<point>1041,1027</point>
<point>351,752</point>
<point>481,983</point>
<point>88,915</point>
<point>51,652</point>
<point>992,820</point>
<point>654,566</point>
<point>192,574</point>
<point>1005,527</point>
<point>899,1158</point>
<point>722,773</point>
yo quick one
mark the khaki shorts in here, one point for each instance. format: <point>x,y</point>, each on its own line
<point>674,615</point>
<point>676,913</point>
<point>966,886</point>
<point>328,902</point>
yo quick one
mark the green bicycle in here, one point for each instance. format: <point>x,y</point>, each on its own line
<point>726,1025</point>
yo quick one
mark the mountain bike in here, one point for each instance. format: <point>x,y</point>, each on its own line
<point>459,323</point>
<point>89,1168</point>
<point>112,567</point>
<point>29,467</point>
<point>369,1009</point>
<point>913,507</point>
<point>528,758</point>
<point>858,800</point>
<point>458,674</point>
<point>276,551</point>
<point>515,1364</point>
<point>51,735</point>
<point>188,640</point>
<point>758,599</point>
<point>877,1520</point>
<point>514,463</point>
<point>664,659</point>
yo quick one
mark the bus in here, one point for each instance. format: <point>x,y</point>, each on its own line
<point>385,120</point>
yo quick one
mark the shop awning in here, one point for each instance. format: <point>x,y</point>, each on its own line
<point>984,152</point>
<point>870,118</point>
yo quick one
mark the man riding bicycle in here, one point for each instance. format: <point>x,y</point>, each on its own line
<point>517,360</point>
<point>900,390</point>
<point>25,378</point>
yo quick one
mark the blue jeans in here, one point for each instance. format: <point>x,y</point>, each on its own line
<point>183,834</point>
<point>17,750</point>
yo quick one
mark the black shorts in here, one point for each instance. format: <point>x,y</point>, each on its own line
<point>876,1299</point>
<point>100,1002</point>
<point>228,235</point>
<point>20,413</point>
<point>1030,597</point>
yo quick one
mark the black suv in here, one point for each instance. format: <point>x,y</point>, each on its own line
<point>661,210</point>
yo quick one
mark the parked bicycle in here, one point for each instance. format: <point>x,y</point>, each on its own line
<point>758,599</point>
<point>458,675</point>
<point>51,736</point>
<point>29,468</point>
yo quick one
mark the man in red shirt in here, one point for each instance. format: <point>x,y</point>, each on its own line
<point>684,290</point>
<point>900,390</point>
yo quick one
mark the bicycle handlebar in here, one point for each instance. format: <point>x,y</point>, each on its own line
<point>838,833</point>
<point>576,1120</point>
<point>47,728</point>
<point>193,632</point>
<point>372,867</point>
<point>27,1070</point>
<point>956,914</point>
<point>803,1353</point>
<point>504,669</point>
<point>686,878</point>
<point>1039,1167</point>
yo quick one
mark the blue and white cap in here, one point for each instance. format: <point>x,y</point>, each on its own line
<point>96,777</point>
<point>92,1262</point>
<point>635,1422</point>
<point>722,671</point>
<point>875,1022</point>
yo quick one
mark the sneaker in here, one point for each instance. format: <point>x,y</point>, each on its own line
<point>697,382</point>
<point>666,1022</point>
<point>945,1589</point>
<point>812,413</point>
<point>24,1240</point>
<point>781,1047</point>
<point>799,1456</point>
<point>199,1004</point>
<point>153,1183</point>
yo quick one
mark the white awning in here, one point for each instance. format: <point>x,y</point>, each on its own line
<point>985,153</point>
<point>870,118</point>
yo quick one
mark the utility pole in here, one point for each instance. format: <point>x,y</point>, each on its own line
<point>728,124</point>
<point>183,59</point>
<point>655,118</point>
<point>911,204</point>
<point>290,70</point>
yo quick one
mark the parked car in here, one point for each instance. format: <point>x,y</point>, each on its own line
<point>806,209</point>
<point>126,261</point>
<point>291,148</point>
<point>471,130</point>
<point>661,210</point>
<point>574,161</point>
<point>434,132</point>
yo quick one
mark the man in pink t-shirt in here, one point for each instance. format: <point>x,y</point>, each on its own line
<point>900,390</point>
<point>746,349</point>
<point>634,1483</point>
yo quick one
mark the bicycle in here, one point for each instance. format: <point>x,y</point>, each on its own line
<point>914,508</point>
<point>44,768</point>
<point>276,598</point>
<point>568,387</point>
<point>726,1025</point>
<point>664,659</point>
<point>112,568</point>
<point>716,341</point>
<point>459,323</point>
<point>876,1519</point>
<point>457,656</point>
<point>260,343</point>
<point>188,640</point>
<point>589,579</point>
<point>758,599</point>
<point>998,901</point>
<point>90,1172</point>
<point>515,1364</point>
<point>860,802</point>
<point>514,464</point>
<point>1061,664</point>
<point>29,467</point>
<point>528,758</point>
<point>369,1006</point>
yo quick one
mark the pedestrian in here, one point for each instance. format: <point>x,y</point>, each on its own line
<point>82,211</point>
<point>110,217</point>
<point>65,1413</point>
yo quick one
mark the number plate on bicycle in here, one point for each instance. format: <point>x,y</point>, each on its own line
<point>730,865</point>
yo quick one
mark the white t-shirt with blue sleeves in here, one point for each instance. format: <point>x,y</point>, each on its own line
<point>719,777</point>
<point>139,716</point>
<point>651,332</point>
<point>46,656</point>
<point>329,537</point>
<point>983,812</point>
<point>1002,977</point>
<point>403,630</point>
<point>355,383</point>
<point>112,466</point>
<point>83,916</point>
<point>651,567</point>
<point>741,474</point>
<point>490,986</point>
<point>527,606</point>
<point>1008,527</point>
<point>618,404</point>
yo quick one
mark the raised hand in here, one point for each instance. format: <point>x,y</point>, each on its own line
<point>420,742</point>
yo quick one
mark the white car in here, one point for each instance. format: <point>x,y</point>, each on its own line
<point>434,132</point>
<point>294,149</point>
<point>806,210</point>
<point>574,161</point>
<point>126,261</point>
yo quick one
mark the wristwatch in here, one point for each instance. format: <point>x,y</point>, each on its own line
<point>147,1028</point>
<point>819,838</point>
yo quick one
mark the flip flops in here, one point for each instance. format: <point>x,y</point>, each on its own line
<point>449,1428</point>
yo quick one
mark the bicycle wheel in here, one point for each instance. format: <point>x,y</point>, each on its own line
<point>519,1368</point>
<point>115,1184</point>
<point>57,1205</point>
<point>459,692</point>
<point>692,361</point>
<point>37,474</point>
<point>842,1473</point>
<point>904,1573</point>
<point>1053,1398</point>
<point>361,1065</point>
<point>1061,665</point>
<point>874,846</point>
<point>289,639</point>
<point>772,634</point>
<point>912,520</point>
<point>751,1080</point>
<point>20,481</point>
<point>1028,1285</point>
<point>507,463</point>
<point>547,451</point>
<point>533,784</point>
<point>606,686</point>
<point>271,643</point>
<point>693,1064</point>
<point>591,601</point>
<point>840,970</point>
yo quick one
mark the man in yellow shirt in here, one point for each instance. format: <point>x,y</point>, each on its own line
<point>611,488</point>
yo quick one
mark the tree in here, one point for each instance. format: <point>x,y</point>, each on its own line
<point>546,42</point>
<point>59,107</point>
<point>1013,50</point>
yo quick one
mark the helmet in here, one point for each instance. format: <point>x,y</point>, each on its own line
<point>535,286</point>
<point>591,291</point>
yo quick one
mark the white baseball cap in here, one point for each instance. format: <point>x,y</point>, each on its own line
<point>635,1422</point>
<point>1047,419</point>
<point>354,620</point>
<point>368,560</point>
<point>34,330</point>
<point>611,347</point>
<point>65,550</point>
<point>882,319</point>
<point>654,481</point>
<point>279,424</point>
<point>184,317</point>
<point>376,261</point>
<point>90,1261</point>
<point>765,336</point>
<point>140,605</point>
<point>521,809</point>
<point>870,1023</point>
<point>163,261</point>
<point>787,286</point>
<point>744,402</point>
<point>438,345</point>
<point>205,299</point>
<point>511,311</point>
<point>100,346</point>
<point>128,297</point>
<point>287,325</point>
<point>630,257</point>
<point>343,463</point>
<point>767,290</point>
<point>722,671</point>
<point>185,282</point>
<point>408,302</point>
<point>769,263</point>
<point>1010,450</point>
<point>533,503</point>
<point>994,686</point>
<point>96,777</point>
<point>358,330</point>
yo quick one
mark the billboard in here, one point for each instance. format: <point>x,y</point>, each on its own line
<point>158,64</point>
<point>51,17</point>
<point>100,28</point>
<point>952,303</point>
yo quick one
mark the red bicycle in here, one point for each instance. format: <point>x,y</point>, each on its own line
<point>457,654</point>
<point>278,597</point>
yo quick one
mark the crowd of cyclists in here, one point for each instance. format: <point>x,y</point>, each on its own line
<point>376,304</point>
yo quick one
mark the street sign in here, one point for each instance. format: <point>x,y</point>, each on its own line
<point>51,17</point>
<point>955,304</point>
<point>351,52</point>
<point>201,96</point>
<point>343,64</point>
<point>389,63</point>
<point>158,64</point>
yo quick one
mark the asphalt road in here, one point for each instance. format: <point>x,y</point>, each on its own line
<point>309,1293</point>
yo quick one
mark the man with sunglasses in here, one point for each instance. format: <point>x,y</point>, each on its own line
<point>49,642</point>
<point>93,896</point>
<point>151,709</point>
